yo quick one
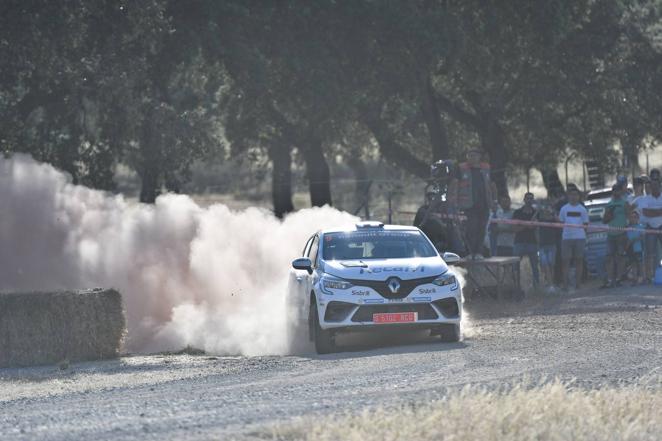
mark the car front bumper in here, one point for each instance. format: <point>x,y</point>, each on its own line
<point>347,311</point>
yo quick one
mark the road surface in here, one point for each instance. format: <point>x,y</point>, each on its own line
<point>594,338</point>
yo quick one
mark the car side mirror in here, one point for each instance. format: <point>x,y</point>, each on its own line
<point>303,263</point>
<point>450,257</point>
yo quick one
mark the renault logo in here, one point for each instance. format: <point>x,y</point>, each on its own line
<point>393,285</point>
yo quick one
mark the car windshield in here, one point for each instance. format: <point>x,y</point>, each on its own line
<point>361,245</point>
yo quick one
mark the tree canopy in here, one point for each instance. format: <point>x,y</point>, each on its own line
<point>159,84</point>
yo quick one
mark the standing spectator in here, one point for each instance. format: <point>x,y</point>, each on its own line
<point>638,187</point>
<point>562,200</point>
<point>575,216</point>
<point>655,174</point>
<point>616,216</point>
<point>635,246</point>
<point>503,234</point>
<point>471,191</point>
<point>622,180</point>
<point>549,238</point>
<point>526,243</point>
<point>651,207</point>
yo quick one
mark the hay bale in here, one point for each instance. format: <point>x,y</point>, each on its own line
<point>46,328</point>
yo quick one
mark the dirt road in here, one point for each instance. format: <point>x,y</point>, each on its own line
<point>606,337</point>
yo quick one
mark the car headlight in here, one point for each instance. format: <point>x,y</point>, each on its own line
<point>331,283</point>
<point>447,279</point>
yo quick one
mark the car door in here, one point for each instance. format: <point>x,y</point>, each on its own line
<point>309,279</point>
<point>299,286</point>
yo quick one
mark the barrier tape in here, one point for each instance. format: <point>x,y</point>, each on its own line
<point>591,227</point>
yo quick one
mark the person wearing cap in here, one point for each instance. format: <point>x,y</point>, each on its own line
<point>471,191</point>
<point>651,208</point>
<point>616,216</point>
<point>655,174</point>
<point>622,180</point>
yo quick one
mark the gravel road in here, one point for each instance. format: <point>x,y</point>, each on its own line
<point>594,338</point>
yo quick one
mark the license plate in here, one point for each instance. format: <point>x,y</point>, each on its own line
<point>395,317</point>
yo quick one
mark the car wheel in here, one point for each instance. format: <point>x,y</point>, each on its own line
<point>450,333</point>
<point>324,339</point>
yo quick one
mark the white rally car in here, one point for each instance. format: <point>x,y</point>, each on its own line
<point>376,276</point>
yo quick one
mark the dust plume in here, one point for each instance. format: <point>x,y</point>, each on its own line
<point>212,278</point>
<point>468,328</point>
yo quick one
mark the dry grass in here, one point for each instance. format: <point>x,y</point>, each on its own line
<point>549,412</point>
<point>49,328</point>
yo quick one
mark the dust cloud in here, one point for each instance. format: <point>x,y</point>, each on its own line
<point>212,278</point>
<point>469,330</point>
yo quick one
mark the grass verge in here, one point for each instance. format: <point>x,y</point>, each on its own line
<point>553,411</point>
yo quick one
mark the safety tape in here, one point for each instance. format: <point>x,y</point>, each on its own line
<point>591,227</point>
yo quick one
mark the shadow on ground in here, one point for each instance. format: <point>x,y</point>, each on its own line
<point>363,344</point>
<point>590,299</point>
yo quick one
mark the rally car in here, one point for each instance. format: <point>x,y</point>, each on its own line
<point>374,276</point>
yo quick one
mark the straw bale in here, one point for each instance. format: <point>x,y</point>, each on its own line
<point>49,327</point>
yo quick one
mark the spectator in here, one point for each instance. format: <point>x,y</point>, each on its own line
<point>638,187</point>
<point>622,180</point>
<point>561,201</point>
<point>526,243</point>
<point>651,207</point>
<point>616,216</point>
<point>549,237</point>
<point>655,174</point>
<point>635,246</point>
<point>575,217</point>
<point>471,191</point>
<point>503,235</point>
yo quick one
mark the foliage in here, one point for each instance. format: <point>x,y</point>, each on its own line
<point>159,84</point>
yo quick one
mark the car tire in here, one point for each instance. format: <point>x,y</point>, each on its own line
<point>323,339</point>
<point>450,333</point>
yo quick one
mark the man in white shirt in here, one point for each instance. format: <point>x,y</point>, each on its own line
<point>651,208</point>
<point>573,241</point>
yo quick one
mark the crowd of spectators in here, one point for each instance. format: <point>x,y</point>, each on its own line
<point>631,223</point>
<point>632,219</point>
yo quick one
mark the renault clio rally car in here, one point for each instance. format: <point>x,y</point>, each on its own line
<point>374,276</point>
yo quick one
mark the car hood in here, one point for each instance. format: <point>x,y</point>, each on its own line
<point>382,269</point>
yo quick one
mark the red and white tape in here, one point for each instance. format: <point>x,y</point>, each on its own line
<point>590,227</point>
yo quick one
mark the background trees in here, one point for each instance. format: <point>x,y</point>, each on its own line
<point>160,84</point>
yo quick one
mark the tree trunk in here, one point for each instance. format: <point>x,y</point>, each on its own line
<point>319,177</point>
<point>435,125</point>
<point>149,164</point>
<point>492,140</point>
<point>395,153</point>
<point>552,182</point>
<point>362,188</point>
<point>172,182</point>
<point>149,188</point>
<point>630,157</point>
<point>281,180</point>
